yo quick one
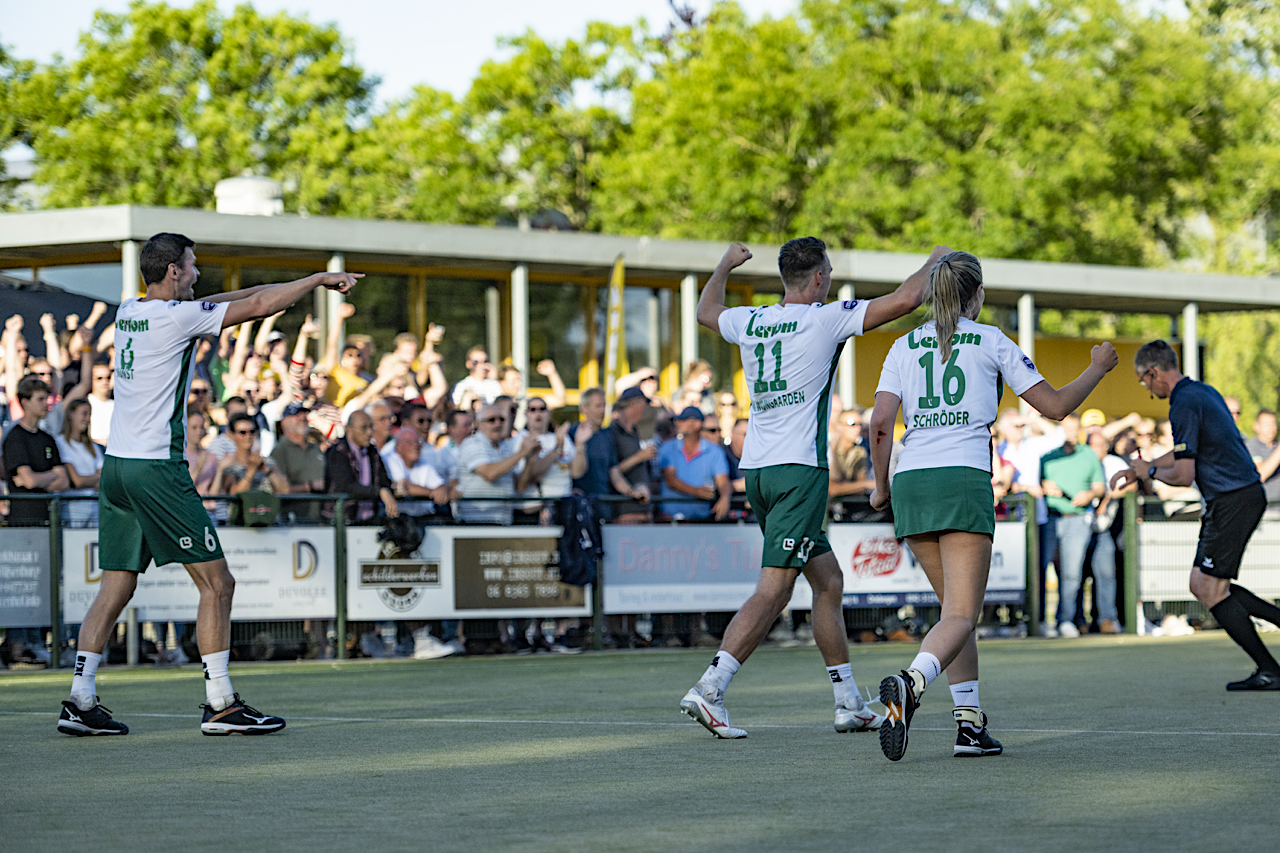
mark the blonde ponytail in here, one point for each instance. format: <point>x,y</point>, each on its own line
<point>953,281</point>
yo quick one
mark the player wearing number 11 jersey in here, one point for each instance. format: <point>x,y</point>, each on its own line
<point>789,353</point>
<point>948,376</point>
<point>148,506</point>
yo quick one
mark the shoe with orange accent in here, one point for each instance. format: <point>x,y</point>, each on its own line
<point>899,695</point>
<point>238,718</point>
<point>706,705</point>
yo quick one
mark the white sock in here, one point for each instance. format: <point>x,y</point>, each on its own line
<point>965,694</point>
<point>84,683</point>
<point>843,684</point>
<point>217,682</point>
<point>928,666</point>
<point>720,673</point>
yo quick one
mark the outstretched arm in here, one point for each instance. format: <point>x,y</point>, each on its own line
<point>267,299</point>
<point>1057,403</point>
<point>909,296</point>
<point>711,303</point>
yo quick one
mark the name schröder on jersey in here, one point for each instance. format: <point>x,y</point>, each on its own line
<point>939,419</point>
<point>791,399</point>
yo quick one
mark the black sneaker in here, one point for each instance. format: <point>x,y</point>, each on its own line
<point>972,738</point>
<point>1258,681</point>
<point>95,721</point>
<point>238,718</point>
<point>897,694</point>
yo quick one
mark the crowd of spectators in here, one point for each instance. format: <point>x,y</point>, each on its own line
<point>393,433</point>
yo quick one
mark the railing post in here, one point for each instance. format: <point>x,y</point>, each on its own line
<point>598,619</point>
<point>1032,532</point>
<point>131,639</point>
<point>1132,606</point>
<point>340,578</point>
<point>55,581</point>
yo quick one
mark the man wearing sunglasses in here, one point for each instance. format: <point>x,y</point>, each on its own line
<point>148,505</point>
<point>490,467</point>
<point>1208,451</point>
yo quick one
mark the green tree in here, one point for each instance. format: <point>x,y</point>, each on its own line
<point>163,102</point>
<point>425,159</point>
<point>548,144</point>
<point>728,124</point>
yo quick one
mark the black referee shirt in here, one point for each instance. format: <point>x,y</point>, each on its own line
<point>1204,431</point>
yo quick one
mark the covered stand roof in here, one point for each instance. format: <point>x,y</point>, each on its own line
<point>94,234</point>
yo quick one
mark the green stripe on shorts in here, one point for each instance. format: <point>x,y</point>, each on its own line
<point>932,500</point>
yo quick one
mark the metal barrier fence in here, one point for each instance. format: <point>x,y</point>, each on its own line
<point>1156,561</point>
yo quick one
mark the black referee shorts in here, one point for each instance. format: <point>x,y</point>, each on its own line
<point>1229,520</point>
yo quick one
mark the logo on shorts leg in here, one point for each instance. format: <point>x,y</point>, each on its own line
<point>806,546</point>
<point>1207,563</point>
<point>185,543</point>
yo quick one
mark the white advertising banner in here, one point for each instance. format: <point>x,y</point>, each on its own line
<point>280,572</point>
<point>692,568</point>
<point>462,573</point>
<point>1168,548</point>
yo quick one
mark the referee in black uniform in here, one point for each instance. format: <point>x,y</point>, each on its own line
<point>1208,450</point>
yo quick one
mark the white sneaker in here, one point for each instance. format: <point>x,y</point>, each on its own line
<point>1047,630</point>
<point>427,647</point>
<point>706,705</point>
<point>857,718</point>
<point>1068,630</point>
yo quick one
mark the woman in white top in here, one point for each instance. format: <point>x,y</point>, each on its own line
<point>947,376</point>
<point>83,459</point>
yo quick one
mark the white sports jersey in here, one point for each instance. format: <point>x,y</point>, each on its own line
<point>789,355</point>
<point>155,358</point>
<point>948,408</point>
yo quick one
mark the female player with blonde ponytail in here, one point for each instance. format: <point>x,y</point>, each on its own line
<point>947,376</point>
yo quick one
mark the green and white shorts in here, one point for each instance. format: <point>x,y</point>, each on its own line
<point>933,500</point>
<point>149,508</point>
<point>790,502</point>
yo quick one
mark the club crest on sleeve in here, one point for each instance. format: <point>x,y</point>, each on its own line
<point>208,306</point>
<point>849,304</point>
<point>1028,363</point>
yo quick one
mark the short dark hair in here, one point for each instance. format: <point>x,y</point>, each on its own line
<point>1157,354</point>
<point>1262,412</point>
<point>29,385</point>
<point>799,259</point>
<point>451,419</point>
<point>407,410</point>
<point>240,417</point>
<point>160,251</point>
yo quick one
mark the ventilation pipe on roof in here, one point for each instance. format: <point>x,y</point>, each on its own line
<point>250,195</point>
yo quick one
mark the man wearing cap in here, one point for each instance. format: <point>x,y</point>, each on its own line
<point>633,453</point>
<point>789,355</point>
<point>299,459</point>
<point>693,466</point>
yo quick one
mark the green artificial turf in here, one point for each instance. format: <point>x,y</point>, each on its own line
<point>1111,744</point>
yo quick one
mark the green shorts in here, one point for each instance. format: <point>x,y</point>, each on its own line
<point>790,502</point>
<point>931,500</point>
<point>149,508</point>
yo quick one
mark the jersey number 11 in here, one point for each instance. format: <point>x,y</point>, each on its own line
<point>778,383</point>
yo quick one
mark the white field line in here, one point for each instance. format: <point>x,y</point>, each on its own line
<point>654,724</point>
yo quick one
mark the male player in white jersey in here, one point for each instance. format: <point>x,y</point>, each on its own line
<point>789,354</point>
<point>148,506</point>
